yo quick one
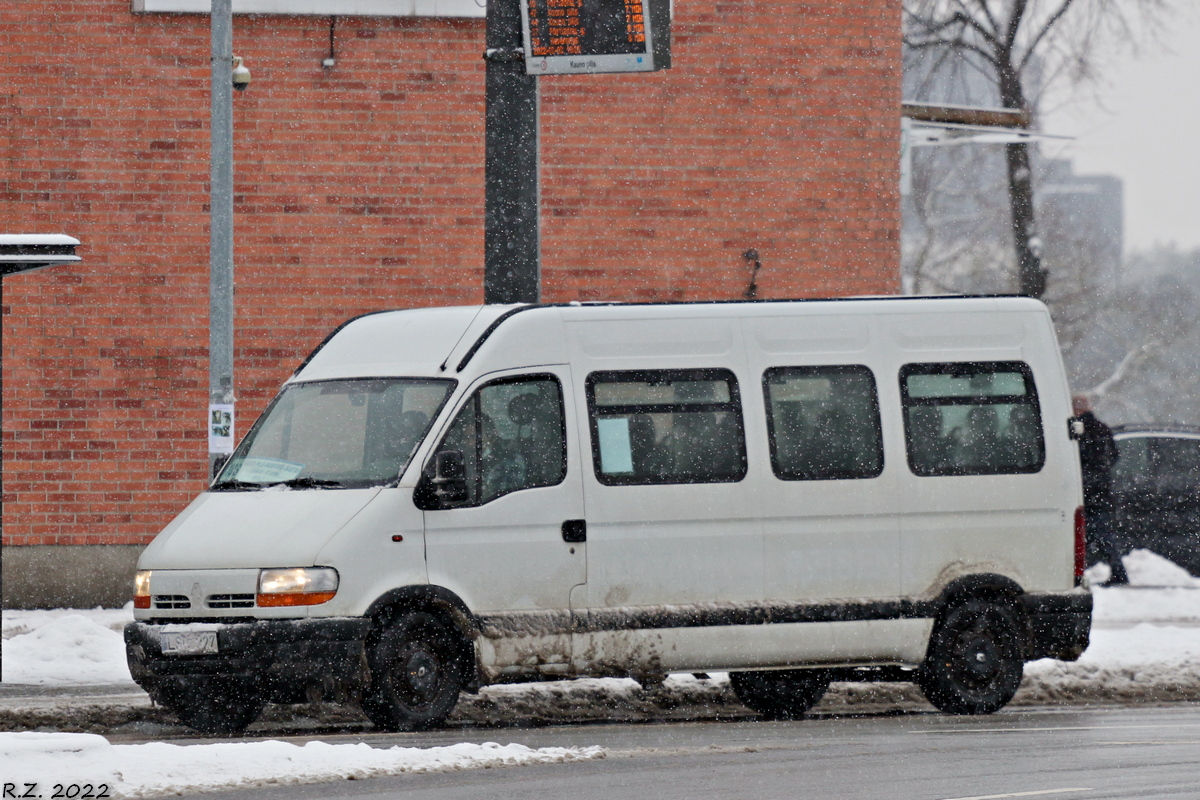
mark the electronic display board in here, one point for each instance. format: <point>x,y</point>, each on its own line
<point>585,36</point>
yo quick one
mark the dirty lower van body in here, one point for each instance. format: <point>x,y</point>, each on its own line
<point>793,492</point>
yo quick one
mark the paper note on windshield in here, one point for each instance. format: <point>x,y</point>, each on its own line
<point>267,470</point>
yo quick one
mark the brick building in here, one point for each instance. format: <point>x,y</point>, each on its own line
<point>360,187</point>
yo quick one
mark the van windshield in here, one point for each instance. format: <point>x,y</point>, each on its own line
<point>336,434</point>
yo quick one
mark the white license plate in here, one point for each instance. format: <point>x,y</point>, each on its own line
<point>188,643</point>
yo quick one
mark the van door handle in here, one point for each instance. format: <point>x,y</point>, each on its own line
<point>574,530</point>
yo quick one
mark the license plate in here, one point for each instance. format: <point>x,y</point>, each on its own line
<point>188,643</point>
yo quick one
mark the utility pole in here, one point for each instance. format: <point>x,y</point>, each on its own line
<point>511,239</point>
<point>220,274</point>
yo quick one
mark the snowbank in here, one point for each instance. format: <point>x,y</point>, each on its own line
<point>1150,569</point>
<point>147,770</point>
<point>65,648</point>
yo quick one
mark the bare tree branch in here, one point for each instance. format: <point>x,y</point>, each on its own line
<point>1046,28</point>
<point>987,14</point>
<point>1015,18</point>
<point>1124,370</point>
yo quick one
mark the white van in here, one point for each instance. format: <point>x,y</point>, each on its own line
<point>795,491</point>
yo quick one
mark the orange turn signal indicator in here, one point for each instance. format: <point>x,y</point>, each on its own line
<point>293,599</point>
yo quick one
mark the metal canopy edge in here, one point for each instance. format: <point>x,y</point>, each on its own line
<point>25,252</point>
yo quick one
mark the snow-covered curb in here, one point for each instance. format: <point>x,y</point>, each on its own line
<point>148,770</point>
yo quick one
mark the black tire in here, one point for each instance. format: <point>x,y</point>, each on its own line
<point>974,664</point>
<point>780,694</point>
<point>416,673</point>
<point>214,705</point>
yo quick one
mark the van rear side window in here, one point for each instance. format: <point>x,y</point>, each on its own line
<point>972,418</point>
<point>823,423</point>
<point>666,426</point>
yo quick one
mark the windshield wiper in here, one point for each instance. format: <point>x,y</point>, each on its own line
<point>311,483</point>
<point>234,485</point>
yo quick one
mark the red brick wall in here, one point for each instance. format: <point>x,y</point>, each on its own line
<point>361,187</point>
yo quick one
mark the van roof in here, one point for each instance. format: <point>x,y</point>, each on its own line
<point>436,342</point>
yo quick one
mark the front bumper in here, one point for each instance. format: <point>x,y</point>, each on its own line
<point>284,659</point>
<point>1059,625</point>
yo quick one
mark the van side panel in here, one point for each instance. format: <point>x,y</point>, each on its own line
<point>1017,525</point>
<point>852,643</point>
<point>680,544</point>
<point>833,538</point>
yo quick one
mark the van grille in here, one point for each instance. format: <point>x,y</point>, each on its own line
<point>172,601</point>
<point>231,601</point>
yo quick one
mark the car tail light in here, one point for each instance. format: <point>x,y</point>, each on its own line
<point>1080,545</point>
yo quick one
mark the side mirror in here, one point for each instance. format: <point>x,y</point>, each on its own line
<point>1075,428</point>
<point>449,477</point>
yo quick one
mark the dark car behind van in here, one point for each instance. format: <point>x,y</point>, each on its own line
<point>1156,490</point>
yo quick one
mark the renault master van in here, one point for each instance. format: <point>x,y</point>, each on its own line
<point>794,492</point>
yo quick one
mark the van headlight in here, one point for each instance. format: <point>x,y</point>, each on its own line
<point>141,589</point>
<point>296,586</point>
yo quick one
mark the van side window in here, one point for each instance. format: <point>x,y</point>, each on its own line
<point>972,418</point>
<point>666,426</point>
<point>512,435</point>
<point>823,423</point>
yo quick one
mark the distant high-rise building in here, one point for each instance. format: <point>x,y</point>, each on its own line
<point>1083,217</point>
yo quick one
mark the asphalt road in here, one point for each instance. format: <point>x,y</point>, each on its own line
<point>1041,753</point>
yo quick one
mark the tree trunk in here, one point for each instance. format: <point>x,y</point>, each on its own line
<point>1031,278</point>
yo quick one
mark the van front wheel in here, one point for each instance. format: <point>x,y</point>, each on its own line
<point>974,663</point>
<point>780,694</point>
<point>416,673</point>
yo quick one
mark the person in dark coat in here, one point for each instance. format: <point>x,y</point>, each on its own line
<point>1097,454</point>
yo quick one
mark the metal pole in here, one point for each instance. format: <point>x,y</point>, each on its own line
<point>220,287</point>
<point>512,258</point>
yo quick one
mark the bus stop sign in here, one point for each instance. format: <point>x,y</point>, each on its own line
<point>565,37</point>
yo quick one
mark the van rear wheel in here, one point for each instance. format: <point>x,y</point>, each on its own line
<point>416,673</point>
<point>780,694</point>
<point>974,664</point>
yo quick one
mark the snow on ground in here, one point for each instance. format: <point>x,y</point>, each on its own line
<point>148,770</point>
<point>63,647</point>
<point>1145,661</point>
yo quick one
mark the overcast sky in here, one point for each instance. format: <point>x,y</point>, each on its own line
<point>1149,136</point>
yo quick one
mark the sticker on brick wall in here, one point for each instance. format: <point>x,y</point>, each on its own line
<point>220,428</point>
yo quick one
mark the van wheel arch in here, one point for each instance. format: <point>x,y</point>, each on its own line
<point>441,602</point>
<point>980,586</point>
